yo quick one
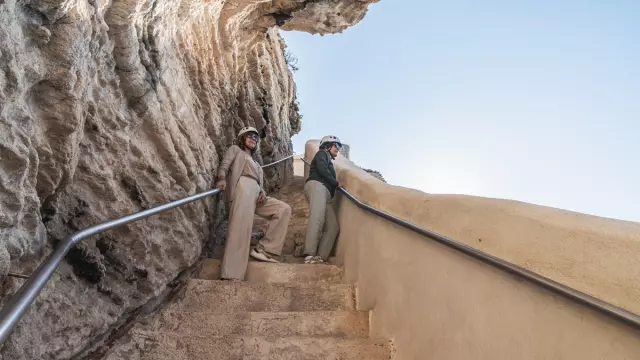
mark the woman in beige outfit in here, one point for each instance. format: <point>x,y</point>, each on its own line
<point>241,179</point>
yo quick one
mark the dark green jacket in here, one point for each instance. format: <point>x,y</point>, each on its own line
<point>322,170</point>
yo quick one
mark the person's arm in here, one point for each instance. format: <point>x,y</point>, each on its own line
<point>223,169</point>
<point>263,193</point>
<point>322,166</point>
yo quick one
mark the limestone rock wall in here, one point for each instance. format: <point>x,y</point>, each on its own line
<point>108,107</point>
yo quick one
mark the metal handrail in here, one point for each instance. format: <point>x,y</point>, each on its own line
<point>554,286</point>
<point>19,303</point>
<point>279,161</point>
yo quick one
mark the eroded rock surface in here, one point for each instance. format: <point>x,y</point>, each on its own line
<point>111,107</point>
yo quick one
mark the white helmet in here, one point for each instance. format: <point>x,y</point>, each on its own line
<point>330,139</point>
<point>247,129</point>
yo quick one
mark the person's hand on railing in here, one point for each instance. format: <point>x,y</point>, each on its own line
<point>19,303</point>
<point>221,184</point>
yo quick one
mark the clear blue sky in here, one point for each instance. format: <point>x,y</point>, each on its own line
<point>536,101</point>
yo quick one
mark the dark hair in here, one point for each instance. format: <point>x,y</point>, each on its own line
<point>327,145</point>
<point>242,140</point>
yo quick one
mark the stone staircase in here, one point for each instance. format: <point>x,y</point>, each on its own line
<point>283,311</point>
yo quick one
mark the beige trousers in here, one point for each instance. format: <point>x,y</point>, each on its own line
<point>323,228</point>
<point>243,208</point>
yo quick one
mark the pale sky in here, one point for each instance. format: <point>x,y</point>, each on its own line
<point>537,101</point>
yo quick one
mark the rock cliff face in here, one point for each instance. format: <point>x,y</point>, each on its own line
<point>108,107</point>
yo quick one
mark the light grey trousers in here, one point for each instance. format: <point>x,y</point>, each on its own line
<point>323,228</point>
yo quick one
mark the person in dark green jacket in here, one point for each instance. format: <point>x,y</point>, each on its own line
<point>319,190</point>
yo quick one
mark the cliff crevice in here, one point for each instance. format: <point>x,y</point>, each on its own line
<point>108,107</point>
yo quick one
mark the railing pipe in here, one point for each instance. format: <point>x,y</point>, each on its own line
<point>19,303</point>
<point>551,285</point>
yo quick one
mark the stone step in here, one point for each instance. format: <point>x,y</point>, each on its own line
<point>169,347</point>
<point>218,252</point>
<point>276,273</point>
<point>342,324</point>
<point>292,259</point>
<point>226,296</point>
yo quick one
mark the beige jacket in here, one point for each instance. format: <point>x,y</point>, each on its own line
<point>231,169</point>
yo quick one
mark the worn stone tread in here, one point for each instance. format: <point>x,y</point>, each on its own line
<point>171,347</point>
<point>226,296</point>
<point>341,324</point>
<point>260,272</point>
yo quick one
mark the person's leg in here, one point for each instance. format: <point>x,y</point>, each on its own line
<point>330,234</point>
<point>259,228</point>
<point>315,194</point>
<point>277,214</point>
<point>236,252</point>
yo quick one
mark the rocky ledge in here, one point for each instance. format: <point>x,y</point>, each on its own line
<point>108,107</point>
